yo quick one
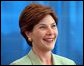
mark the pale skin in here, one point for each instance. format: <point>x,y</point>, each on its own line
<point>43,37</point>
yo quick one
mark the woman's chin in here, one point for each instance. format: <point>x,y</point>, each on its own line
<point>49,47</point>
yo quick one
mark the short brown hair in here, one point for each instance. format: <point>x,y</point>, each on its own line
<point>31,16</point>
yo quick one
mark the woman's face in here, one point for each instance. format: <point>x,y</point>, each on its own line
<point>44,34</point>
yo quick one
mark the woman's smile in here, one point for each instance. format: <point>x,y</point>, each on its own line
<point>49,40</point>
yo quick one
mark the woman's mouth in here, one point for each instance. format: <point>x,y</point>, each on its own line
<point>49,40</point>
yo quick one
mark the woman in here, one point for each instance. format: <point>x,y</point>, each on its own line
<point>38,25</point>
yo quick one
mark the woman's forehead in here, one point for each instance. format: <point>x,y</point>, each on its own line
<point>48,19</point>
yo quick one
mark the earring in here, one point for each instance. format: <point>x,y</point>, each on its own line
<point>29,39</point>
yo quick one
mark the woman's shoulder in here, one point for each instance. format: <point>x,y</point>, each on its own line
<point>22,61</point>
<point>63,60</point>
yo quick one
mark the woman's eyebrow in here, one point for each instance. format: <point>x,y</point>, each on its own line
<point>53,23</point>
<point>45,24</point>
<point>42,24</point>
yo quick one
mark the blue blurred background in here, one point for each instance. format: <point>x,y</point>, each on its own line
<point>70,26</point>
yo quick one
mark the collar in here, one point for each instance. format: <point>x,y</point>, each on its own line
<point>35,60</point>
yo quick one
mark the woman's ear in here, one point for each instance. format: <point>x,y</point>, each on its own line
<point>28,34</point>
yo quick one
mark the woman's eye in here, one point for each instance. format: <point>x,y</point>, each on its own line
<point>53,25</point>
<point>42,27</point>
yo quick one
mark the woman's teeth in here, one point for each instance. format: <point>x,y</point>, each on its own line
<point>48,39</point>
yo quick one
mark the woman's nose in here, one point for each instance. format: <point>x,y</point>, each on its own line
<point>50,31</point>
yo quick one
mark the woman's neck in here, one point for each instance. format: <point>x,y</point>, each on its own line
<point>45,56</point>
